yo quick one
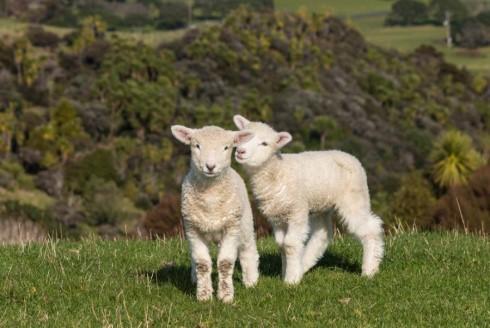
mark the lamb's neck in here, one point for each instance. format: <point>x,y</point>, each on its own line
<point>267,171</point>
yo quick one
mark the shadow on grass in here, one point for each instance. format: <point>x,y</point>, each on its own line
<point>270,264</point>
<point>176,275</point>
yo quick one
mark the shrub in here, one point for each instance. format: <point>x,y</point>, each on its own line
<point>471,33</point>
<point>164,220</point>
<point>42,38</point>
<point>466,207</point>
<point>414,201</point>
<point>173,15</point>
<point>453,159</point>
<point>105,203</point>
<point>99,163</point>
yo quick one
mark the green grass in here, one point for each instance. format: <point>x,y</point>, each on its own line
<point>336,7</point>
<point>425,280</point>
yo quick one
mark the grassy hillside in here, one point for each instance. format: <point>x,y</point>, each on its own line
<point>425,280</point>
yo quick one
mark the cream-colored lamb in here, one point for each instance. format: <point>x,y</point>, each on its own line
<point>215,207</point>
<point>296,191</point>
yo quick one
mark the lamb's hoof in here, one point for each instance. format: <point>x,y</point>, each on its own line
<point>205,297</point>
<point>292,281</point>
<point>227,299</point>
<point>369,273</point>
<point>250,284</point>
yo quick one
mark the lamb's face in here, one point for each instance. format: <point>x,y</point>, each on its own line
<point>264,144</point>
<point>211,147</point>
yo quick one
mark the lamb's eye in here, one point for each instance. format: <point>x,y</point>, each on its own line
<point>264,143</point>
<point>198,146</point>
<point>227,147</point>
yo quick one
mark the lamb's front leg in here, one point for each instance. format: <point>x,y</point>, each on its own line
<point>202,266</point>
<point>226,262</point>
<point>293,246</point>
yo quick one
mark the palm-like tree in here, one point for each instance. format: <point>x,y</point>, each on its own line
<point>453,159</point>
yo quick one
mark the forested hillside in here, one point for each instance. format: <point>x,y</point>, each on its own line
<point>84,120</point>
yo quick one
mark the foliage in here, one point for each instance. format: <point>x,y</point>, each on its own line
<point>162,14</point>
<point>137,84</point>
<point>92,28</point>
<point>467,207</point>
<point>164,220</point>
<point>472,32</point>
<point>39,37</point>
<point>454,159</point>
<point>99,164</point>
<point>414,201</point>
<point>407,12</point>
<point>105,204</point>
<point>102,110</point>
<point>438,9</point>
<point>58,138</point>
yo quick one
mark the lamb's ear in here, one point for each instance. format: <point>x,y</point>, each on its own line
<point>283,138</point>
<point>240,121</point>
<point>242,137</point>
<point>182,133</point>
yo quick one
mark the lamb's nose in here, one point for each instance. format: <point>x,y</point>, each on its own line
<point>210,167</point>
<point>240,151</point>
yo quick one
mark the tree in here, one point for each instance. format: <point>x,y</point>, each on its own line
<point>407,12</point>
<point>138,84</point>
<point>438,9</point>
<point>93,28</point>
<point>57,138</point>
<point>27,63</point>
<point>454,159</point>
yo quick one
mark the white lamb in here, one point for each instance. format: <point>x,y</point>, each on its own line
<point>215,207</point>
<point>296,191</point>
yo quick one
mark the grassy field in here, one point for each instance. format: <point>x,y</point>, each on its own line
<point>425,280</point>
<point>336,7</point>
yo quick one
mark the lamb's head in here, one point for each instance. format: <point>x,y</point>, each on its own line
<point>263,145</point>
<point>211,147</point>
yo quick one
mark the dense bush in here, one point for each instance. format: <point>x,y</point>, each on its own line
<point>438,9</point>
<point>164,220</point>
<point>466,207</point>
<point>414,201</point>
<point>41,38</point>
<point>472,32</point>
<point>407,12</point>
<point>173,15</point>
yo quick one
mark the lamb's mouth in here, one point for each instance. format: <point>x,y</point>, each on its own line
<point>210,174</point>
<point>240,159</point>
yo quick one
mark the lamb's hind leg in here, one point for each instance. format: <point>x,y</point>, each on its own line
<point>321,228</point>
<point>368,228</point>
<point>279,230</point>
